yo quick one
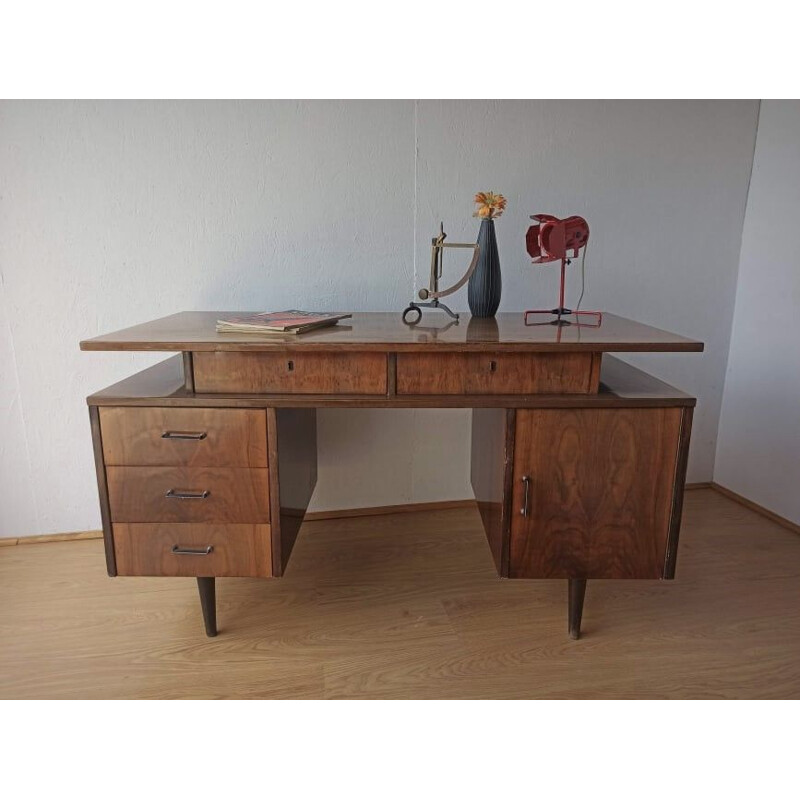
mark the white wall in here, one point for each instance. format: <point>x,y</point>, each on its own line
<point>663,185</point>
<point>758,450</point>
<point>115,213</point>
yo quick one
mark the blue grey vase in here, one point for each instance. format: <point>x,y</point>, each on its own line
<point>485,284</point>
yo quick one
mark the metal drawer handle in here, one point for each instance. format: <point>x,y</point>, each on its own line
<point>184,435</point>
<point>176,494</point>
<point>526,479</point>
<point>192,551</point>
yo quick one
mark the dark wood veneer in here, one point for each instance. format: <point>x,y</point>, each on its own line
<point>602,446</point>
<point>138,494</point>
<point>385,332</point>
<point>102,490</point>
<point>601,487</point>
<point>490,474</point>
<point>290,372</point>
<point>237,550</point>
<point>151,437</point>
<point>496,373</point>
<point>293,473</point>
<point>671,556</point>
<point>621,386</point>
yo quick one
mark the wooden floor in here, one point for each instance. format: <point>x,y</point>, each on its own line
<point>409,606</point>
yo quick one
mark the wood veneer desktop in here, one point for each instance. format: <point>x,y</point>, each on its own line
<point>206,462</point>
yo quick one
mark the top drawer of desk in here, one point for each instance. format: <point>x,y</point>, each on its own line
<point>196,437</point>
<point>498,373</point>
<point>290,373</point>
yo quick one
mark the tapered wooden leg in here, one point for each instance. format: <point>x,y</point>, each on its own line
<point>208,602</point>
<point>577,591</point>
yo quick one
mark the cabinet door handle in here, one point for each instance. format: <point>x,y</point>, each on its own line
<point>176,494</point>
<point>192,551</point>
<point>184,435</point>
<point>525,511</point>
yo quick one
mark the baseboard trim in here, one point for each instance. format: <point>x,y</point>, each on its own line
<point>765,512</point>
<point>46,538</point>
<point>374,511</point>
<point>407,508</point>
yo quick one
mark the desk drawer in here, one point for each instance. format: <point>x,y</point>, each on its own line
<point>290,373</point>
<point>185,550</point>
<point>498,373</point>
<point>197,437</point>
<point>188,494</point>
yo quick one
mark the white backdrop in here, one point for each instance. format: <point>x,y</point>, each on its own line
<point>112,213</point>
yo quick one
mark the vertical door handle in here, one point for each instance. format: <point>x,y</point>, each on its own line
<point>525,511</point>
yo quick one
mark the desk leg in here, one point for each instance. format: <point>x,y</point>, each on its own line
<point>577,592</point>
<point>208,602</point>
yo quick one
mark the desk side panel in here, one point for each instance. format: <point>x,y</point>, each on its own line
<point>102,490</point>
<point>491,471</point>
<point>292,443</point>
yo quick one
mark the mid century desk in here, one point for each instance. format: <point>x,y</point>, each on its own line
<point>206,462</point>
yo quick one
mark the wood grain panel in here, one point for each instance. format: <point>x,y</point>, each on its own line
<point>679,486</point>
<point>491,468</point>
<point>231,437</point>
<point>385,332</point>
<point>600,492</point>
<point>138,494</point>
<point>621,386</point>
<point>242,551</point>
<point>496,373</point>
<point>291,372</point>
<point>102,489</point>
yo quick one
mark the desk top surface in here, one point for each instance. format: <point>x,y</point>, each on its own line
<point>385,331</point>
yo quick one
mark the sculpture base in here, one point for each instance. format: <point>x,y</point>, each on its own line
<point>561,313</point>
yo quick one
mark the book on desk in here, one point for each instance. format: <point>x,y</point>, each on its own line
<point>291,321</point>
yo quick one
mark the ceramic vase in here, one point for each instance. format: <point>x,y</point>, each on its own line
<point>485,284</point>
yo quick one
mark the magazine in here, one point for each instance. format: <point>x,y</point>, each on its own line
<point>292,321</point>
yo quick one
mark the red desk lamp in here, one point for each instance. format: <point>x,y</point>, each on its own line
<point>549,241</point>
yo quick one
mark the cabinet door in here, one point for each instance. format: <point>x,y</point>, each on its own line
<point>599,492</point>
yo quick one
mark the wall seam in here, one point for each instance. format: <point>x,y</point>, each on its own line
<point>414,412</point>
<point>735,297</point>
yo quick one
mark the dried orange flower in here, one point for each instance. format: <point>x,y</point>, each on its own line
<point>490,205</point>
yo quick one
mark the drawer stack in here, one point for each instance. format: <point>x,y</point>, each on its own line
<point>188,491</point>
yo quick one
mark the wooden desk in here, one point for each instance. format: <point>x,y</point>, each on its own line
<point>206,462</point>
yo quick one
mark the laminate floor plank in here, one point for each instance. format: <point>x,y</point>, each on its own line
<point>409,606</point>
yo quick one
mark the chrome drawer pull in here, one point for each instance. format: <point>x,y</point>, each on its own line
<point>527,481</point>
<point>192,551</point>
<point>178,495</point>
<point>184,435</point>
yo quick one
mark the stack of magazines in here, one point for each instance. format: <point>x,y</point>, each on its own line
<point>291,321</point>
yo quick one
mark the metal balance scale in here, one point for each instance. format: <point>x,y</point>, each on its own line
<point>413,314</point>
